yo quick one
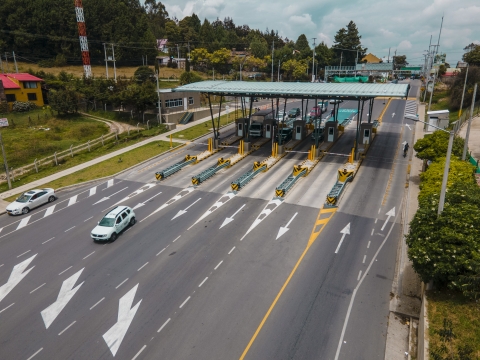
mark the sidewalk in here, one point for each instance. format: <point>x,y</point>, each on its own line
<point>47,179</point>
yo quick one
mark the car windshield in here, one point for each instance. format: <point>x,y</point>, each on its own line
<point>107,222</point>
<point>23,198</point>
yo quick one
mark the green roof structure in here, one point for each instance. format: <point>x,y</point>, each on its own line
<point>297,90</point>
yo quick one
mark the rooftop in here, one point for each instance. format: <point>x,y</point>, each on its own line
<point>305,90</point>
<point>7,83</point>
<point>23,77</point>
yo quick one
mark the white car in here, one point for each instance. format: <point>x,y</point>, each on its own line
<point>113,223</point>
<point>336,101</point>
<point>30,200</point>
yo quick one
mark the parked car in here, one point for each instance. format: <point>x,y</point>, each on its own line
<point>30,200</point>
<point>321,133</point>
<point>280,115</point>
<point>285,134</point>
<point>336,101</point>
<point>113,223</point>
<point>316,112</point>
<point>293,113</point>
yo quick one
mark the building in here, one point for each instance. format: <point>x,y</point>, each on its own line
<point>461,64</point>
<point>162,45</point>
<point>371,59</point>
<point>22,87</point>
<point>162,60</point>
<point>178,101</point>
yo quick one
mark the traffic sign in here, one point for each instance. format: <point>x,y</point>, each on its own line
<point>3,122</point>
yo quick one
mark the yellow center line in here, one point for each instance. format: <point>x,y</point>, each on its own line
<point>313,236</point>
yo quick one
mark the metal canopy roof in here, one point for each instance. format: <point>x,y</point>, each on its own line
<point>296,89</point>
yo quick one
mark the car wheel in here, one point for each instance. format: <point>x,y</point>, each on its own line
<point>25,210</point>
<point>51,198</point>
<point>132,221</point>
<point>113,237</point>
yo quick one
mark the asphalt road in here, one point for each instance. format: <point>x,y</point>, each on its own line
<point>196,275</point>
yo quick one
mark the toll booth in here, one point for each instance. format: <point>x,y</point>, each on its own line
<point>270,128</point>
<point>331,131</point>
<point>366,133</point>
<point>299,130</point>
<point>242,125</point>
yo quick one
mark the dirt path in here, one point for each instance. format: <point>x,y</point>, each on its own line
<point>113,125</point>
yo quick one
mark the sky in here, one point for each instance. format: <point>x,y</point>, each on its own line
<point>401,25</point>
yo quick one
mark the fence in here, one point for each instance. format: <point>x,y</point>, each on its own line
<point>465,116</point>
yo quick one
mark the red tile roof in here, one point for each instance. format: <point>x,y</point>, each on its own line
<point>24,77</point>
<point>7,83</point>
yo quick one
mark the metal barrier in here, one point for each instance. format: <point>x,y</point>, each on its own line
<point>343,177</point>
<point>287,184</point>
<point>175,167</point>
<point>208,173</point>
<point>245,178</point>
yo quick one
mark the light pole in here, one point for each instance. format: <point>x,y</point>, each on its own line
<point>469,123</point>
<point>241,66</point>
<point>463,93</point>
<point>447,161</point>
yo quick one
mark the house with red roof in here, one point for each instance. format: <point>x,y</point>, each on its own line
<point>22,87</point>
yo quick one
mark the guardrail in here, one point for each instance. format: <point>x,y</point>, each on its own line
<point>175,167</point>
<point>208,173</point>
<point>298,172</point>
<point>245,178</point>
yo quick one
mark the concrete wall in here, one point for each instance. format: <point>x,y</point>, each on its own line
<point>423,329</point>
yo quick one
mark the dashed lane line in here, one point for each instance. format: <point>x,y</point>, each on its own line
<point>123,282</point>
<point>161,251</point>
<point>7,307</point>
<point>220,263</point>
<point>359,275</point>
<point>36,353</point>
<point>65,270</point>
<point>231,250</point>
<point>164,324</point>
<point>26,252</point>
<point>141,267</point>
<point>88,255</point>
<point>203,282</point>
<point>364,258</point>
<point>188,298</point>
<point>88,219</point>
<point>70,229</point>
<point>69,326</point>
<point>37,288</point>
<point>138,353</point>
<point>98,302</point>
<point>48,240</point>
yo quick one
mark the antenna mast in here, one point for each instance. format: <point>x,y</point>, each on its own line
<point>82,33</point>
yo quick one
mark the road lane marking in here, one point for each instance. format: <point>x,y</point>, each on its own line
<point>203,282</point>
<point>368,245</point>
<point>93,191</point>
<point>23,253</point>
<point>49,211</point>
<point>267,210</point>
<point>231,250</point>
<point>37,288</point>
<point>123,282</point>
<point>138,353</point>
<point>72,200</point>
<point>98,302</point>
<point>359,275</point>
<point>222,201</point>
<point>69,229</point>
<point>220,263</point>
<point>109,183</point>
<point>177,197</point>
<point>164,324</point>
<point>87,219</point>
<point>161,251</point>
<point>178,237</point>
<point>7,307</point>
<point>61,332</point>
<point>36,353</point>
<point>23,223</point>
<point>1,265</point>
<point>318,227</point>
<point>65,270</point>
<point>141,267</point>
<point>48,240</point>
<point>88,255</point>
<point>376,221</point>
<point>364,258</point>
<point>372,232</point>
<point>352,299</point>
<point>188,298</point>
<point>19,271</point>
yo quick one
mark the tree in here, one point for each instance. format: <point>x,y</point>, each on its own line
<point>157,17</point>
<point>400,61</point>
<point>456,90</point>
<point>295,69</point>
<point>259,47</point>
<point>442,70</point>
<point>472,57</point>
<point>144,73</point>
<point>348,41</point>
<point>64,101</point>
<point>435,145</point>
<point>323,55</point>
<point>219,60</point>
<point>189,77</point>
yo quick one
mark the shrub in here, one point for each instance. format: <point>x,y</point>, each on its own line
<point>23,106</point>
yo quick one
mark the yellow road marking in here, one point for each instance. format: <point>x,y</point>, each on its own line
<point>313,237</point>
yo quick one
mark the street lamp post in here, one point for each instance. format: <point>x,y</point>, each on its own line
<point>447,161</point>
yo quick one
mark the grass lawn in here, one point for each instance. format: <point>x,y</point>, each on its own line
<point>465,325</point>
<point>99,150</point>
<point>38,134</point>
<point>204,128</point>
<point>440,102</point>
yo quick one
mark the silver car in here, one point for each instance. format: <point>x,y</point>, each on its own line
<point>30,200</point>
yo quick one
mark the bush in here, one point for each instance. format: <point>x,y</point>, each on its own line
<point>48,63</point>
<point>22,106</point>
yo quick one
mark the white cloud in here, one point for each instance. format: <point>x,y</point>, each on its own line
<point>303,20</point>
<point>404,45</point>
<point>325,38</point>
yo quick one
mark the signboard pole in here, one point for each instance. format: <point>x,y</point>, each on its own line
<point>5,163</point>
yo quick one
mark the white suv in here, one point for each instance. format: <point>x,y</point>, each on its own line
<point>114,222</point>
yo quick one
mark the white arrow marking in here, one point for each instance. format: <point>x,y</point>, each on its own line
<point>64,296</point>
<point>284,229</point>
<point>143,203</point>
<point>136,192</point>
<point>271,206</point>
<point>181,212</point>
<point>222,201</point>
<point>108,197</point>
<point>345,231</point>
<point>228,220</point>
<point>114,336</point>
<point>24,222</point>
<point>393,114</point>
<point>177,197</point>
<point>409,128</point>
<point>389,214</point>
<point>16,276</point>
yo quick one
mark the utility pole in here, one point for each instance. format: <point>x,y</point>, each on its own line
<point>388,59</point>
<point>178,56</point>
<point>431,94</point>
<point>106,60</point>
<point>313,61</point>
<point>114,68</point>
<point>6,62</point>
<point>159,103</point>
<point>15,61</point>
<point>438,43</point>
<point>1,64</point>
<point>5,163</point>
<point>278,77</point>
<point>469,123</point>
<point>463,94</point>
<point>273,49</point>
<point>341,57</point>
